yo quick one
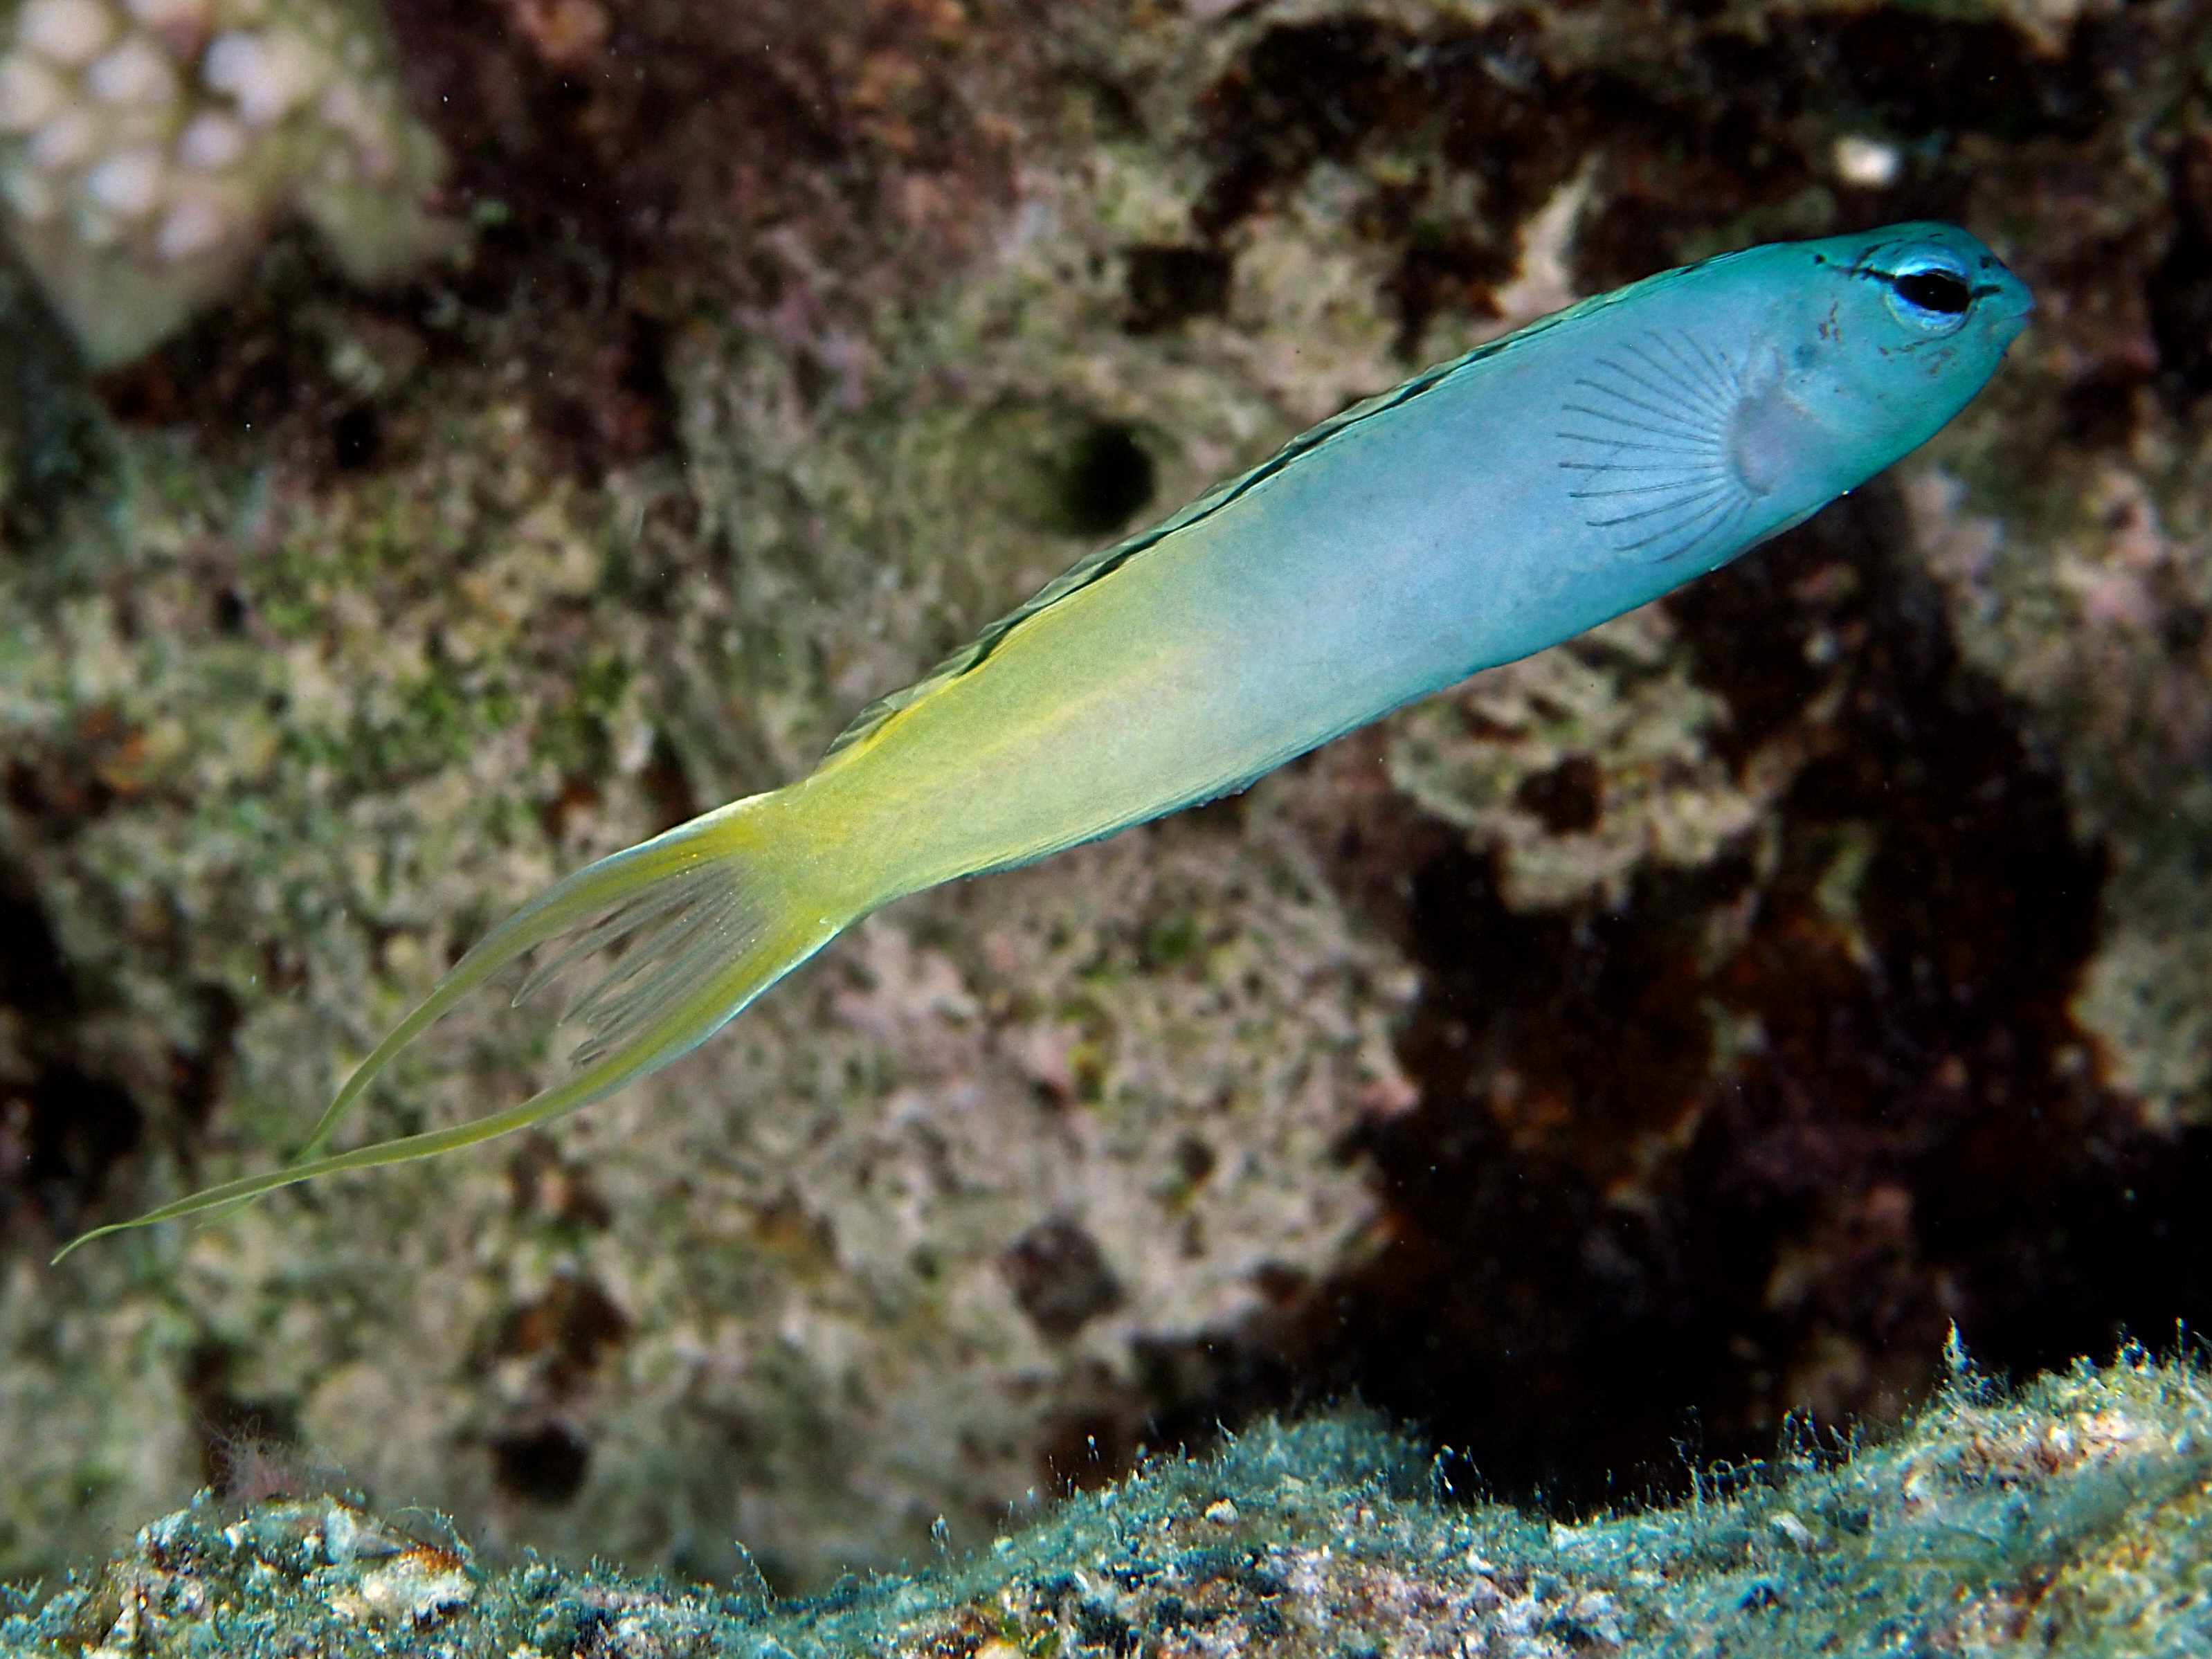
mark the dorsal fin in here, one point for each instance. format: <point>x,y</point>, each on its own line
<point>1096,566</point>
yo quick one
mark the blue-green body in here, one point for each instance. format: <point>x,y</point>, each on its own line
<point>1485,509</point>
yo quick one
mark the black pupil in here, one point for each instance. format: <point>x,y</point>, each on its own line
<point>1933,291</point>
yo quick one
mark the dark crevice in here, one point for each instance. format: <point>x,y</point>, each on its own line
<point>565,1333</point>
<point>356,438</point>
<point>667,784</point>
<point>248,1447</point>
<point>60,1135</point>
<point>546,1464</point>
<point>1482,101</point>
<point>1568,799</point>
<point>615,408</point>
<point>1059,1278</point>
<point>62,1130</point>
<point>34,977</point>
<point>2181,287</point>
<point>1106,480</point>
<point>1303,94</point>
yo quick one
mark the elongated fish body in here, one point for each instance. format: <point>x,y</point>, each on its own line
<point>1483,511</point>
<point>1487,508</point>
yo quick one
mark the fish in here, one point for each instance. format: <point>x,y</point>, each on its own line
<point>1490,507</point>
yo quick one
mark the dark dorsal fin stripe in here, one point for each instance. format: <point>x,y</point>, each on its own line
<point>1097,566</point>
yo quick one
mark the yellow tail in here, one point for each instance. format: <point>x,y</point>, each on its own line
<point>706,917</point>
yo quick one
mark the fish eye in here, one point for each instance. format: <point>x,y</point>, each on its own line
<point>1930,298</point>
<point>1933,291</point>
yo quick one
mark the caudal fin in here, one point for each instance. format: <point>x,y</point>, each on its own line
<point>705,917</point>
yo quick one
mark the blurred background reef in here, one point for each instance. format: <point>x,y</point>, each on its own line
<point>444,445</point>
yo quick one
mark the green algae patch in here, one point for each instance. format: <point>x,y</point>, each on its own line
<point>2067,1519</point>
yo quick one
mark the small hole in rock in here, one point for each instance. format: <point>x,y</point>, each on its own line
<point>356,439</point>
<point>229,610</point>
<point>1107,479</point>
<point>1059,1278</point>
<point>544,1465</point>
<point>1569,799</point>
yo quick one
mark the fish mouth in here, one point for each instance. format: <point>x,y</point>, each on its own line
<point>2007,301</point>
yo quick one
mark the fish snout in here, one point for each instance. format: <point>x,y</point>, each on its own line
<point>2007,302</point>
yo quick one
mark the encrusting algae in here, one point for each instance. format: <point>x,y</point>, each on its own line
<point>2066,1522</point>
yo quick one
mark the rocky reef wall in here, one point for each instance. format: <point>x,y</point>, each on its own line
<point>1703,1016</point>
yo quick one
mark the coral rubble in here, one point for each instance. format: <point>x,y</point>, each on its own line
<point>2068,1521</point>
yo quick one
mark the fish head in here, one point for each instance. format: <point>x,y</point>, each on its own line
<point>1882,336</point>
